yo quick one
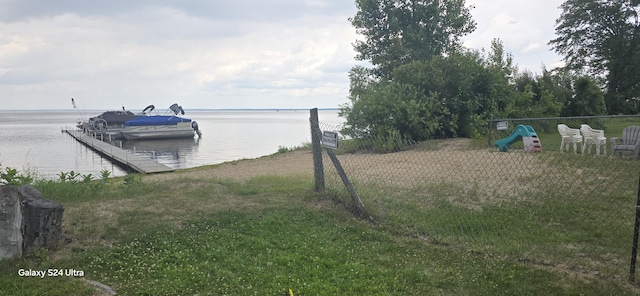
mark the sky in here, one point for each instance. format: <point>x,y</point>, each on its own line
<point>214,54</point>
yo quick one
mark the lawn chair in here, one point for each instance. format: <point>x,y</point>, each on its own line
<point>569,135</point>
<point>591,137</point>
<point>630,141</point>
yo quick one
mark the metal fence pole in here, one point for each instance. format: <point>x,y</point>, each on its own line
<point>318,169</point>
<point>636,230</point>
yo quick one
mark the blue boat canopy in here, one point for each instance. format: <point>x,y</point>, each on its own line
<point>155,120</point>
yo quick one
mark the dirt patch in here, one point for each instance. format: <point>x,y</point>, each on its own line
<point>475,177</point>
<point>299,162</point>
<point>472,178</point>
<point>453,160</point>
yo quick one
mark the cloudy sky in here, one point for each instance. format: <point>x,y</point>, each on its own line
<point>213,54</point>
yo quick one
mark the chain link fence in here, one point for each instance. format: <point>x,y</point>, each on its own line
<point>554,209</point>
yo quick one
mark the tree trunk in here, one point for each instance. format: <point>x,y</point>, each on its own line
<point>27,221</point>
<point>10,225</point>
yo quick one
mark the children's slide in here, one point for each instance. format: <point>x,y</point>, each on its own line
<point>521,131</point>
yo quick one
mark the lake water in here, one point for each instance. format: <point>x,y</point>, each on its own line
<point>33,140</point>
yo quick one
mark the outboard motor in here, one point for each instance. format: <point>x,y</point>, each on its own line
<point>194,126</point>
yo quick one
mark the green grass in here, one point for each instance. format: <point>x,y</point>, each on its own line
<point>269,234</point>
<point>310,250</point>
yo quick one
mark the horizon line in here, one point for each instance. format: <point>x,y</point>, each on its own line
<point>192,109</point>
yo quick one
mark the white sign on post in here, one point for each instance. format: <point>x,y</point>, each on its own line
<point>330,140</point>
<point>502,125</point>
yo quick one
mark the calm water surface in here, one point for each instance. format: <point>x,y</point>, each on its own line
<point>33,140</point>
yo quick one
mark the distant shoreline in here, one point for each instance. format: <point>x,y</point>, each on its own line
<point>190,109</point>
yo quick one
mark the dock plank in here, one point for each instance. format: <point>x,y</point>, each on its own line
<point>121,156</point>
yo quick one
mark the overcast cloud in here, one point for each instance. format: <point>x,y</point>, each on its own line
<point>213,54</point>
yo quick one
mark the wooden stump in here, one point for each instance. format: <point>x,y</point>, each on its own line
<point>29,221</point>
<point>10,224</point>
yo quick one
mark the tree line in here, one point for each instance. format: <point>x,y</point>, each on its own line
<point>422,83</point>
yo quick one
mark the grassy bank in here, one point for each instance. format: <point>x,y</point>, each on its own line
<point>265,235</point>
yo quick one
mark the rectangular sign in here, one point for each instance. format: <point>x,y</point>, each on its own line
<point>502,125</point>
<point>330,140</point>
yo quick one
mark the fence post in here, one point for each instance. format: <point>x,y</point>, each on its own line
<point>636,230</point>
<point>490,131</point>
<point>318,169</point>
<point>346,182</point>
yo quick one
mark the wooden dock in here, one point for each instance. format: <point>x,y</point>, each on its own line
<point>118,155</point>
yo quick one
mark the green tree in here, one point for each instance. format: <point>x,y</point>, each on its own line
<point>398,32</point>
<point>557,85</point>
<point>526,86</point>
<point>442,97</point>
<point>390,108</point>
<point>500,82</point>
<point>602,38</point>
<point>538,95</point>
<point>588,99</point>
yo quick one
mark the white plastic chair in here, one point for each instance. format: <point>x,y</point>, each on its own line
<point>591,137</point>
<point>569,135</point>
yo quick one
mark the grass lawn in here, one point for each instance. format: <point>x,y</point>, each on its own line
<point>266,235</point>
